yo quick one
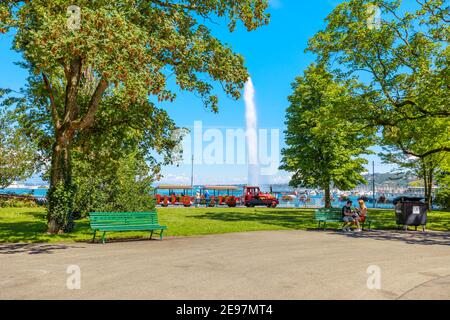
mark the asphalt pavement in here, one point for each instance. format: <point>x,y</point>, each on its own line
<point>253,265</point>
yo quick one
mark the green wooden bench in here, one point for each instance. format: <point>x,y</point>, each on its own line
<point>324,215</point>
<point>125,221</point>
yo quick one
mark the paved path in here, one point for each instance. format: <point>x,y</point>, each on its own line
<point>255,265</point>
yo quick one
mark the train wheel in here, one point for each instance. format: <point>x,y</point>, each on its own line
<point>274,204</point>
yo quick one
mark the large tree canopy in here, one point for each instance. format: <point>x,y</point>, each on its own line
<point>323,146</point>
<point>404,61</point>
<point>134,45</point>
<point>126,50</point>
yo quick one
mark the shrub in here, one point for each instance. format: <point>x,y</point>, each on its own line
<point>17,203</point>
<point>121,185</point>
<point>443,198</point>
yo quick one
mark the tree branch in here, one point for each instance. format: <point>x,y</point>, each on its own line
<point>88,118</point>
<point>73,75</point>
<point>167,4</point>
<point>53,106</point>
<point>425,154</point>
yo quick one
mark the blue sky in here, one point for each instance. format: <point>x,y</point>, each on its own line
<point>274,56</point>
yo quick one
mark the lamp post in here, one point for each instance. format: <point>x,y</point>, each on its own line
<point>373,182</point>
<point>192,171</point>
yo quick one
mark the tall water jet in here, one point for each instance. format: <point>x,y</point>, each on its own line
<point>252,135</point>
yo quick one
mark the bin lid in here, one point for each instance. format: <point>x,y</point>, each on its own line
<point>407,199</point>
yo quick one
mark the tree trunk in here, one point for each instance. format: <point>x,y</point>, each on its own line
<point>425,181</point>
<point>429,195</point>
<point>60,197</point>
<point>428,185</point>
<point>327,196</point>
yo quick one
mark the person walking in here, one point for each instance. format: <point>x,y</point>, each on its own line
<point>197,199</point>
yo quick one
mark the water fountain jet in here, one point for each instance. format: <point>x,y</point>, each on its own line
<point>252,133</point>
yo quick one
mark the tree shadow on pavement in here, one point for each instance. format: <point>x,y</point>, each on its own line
<point>32,248</point>
<point>409,237</point>
<point>304,220</point>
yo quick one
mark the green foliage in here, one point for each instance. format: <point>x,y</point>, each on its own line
<point>443,179</point>
<point>16,152</point>
<point>443,198</point>
<point>60,199</point>
<point>323,146</point>
<point>113,161</point>
<point>135,44</point>
<point>426,168</point>
<point>17,203</point>
<point>404,63</point>
<point>114,185</point>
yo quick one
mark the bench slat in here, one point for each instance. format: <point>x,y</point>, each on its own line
<point>131,228</point>
<point>150,221</point>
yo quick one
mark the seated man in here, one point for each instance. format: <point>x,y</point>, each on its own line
<point>349,216</point>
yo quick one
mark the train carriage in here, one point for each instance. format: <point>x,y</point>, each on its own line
<point>213,196</point>
<point>174,195</point>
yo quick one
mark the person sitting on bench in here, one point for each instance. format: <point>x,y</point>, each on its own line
<point>349,216</point>
<point>362,210</point>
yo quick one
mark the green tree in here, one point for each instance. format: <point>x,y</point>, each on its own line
<point>443,181</point>
<point>16,152</point>
<point>418,137</point>
<point>112,185</point>
<point>403,61</point>
<point>114,161</point>
<point>426,168</point>
<point>122,151</point>
<point>126,48</point>
<point>323,147</point>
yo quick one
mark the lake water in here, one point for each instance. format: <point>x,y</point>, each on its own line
<point>25,191</point>
<point>315,200</point>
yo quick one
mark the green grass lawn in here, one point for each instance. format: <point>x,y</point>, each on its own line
<point>28,224</point>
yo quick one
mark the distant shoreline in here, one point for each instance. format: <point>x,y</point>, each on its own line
<point>25,187</point>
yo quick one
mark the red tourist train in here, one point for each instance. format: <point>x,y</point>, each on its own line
<point>253,197</point>
<point>213,196</point>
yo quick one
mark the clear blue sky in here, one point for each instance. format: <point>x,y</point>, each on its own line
<point>274,56</point>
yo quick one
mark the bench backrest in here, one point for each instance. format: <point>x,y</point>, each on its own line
<point>99,219</point>
<point>328,213</point>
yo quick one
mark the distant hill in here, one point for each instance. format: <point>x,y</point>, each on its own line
<point>391,179</point>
